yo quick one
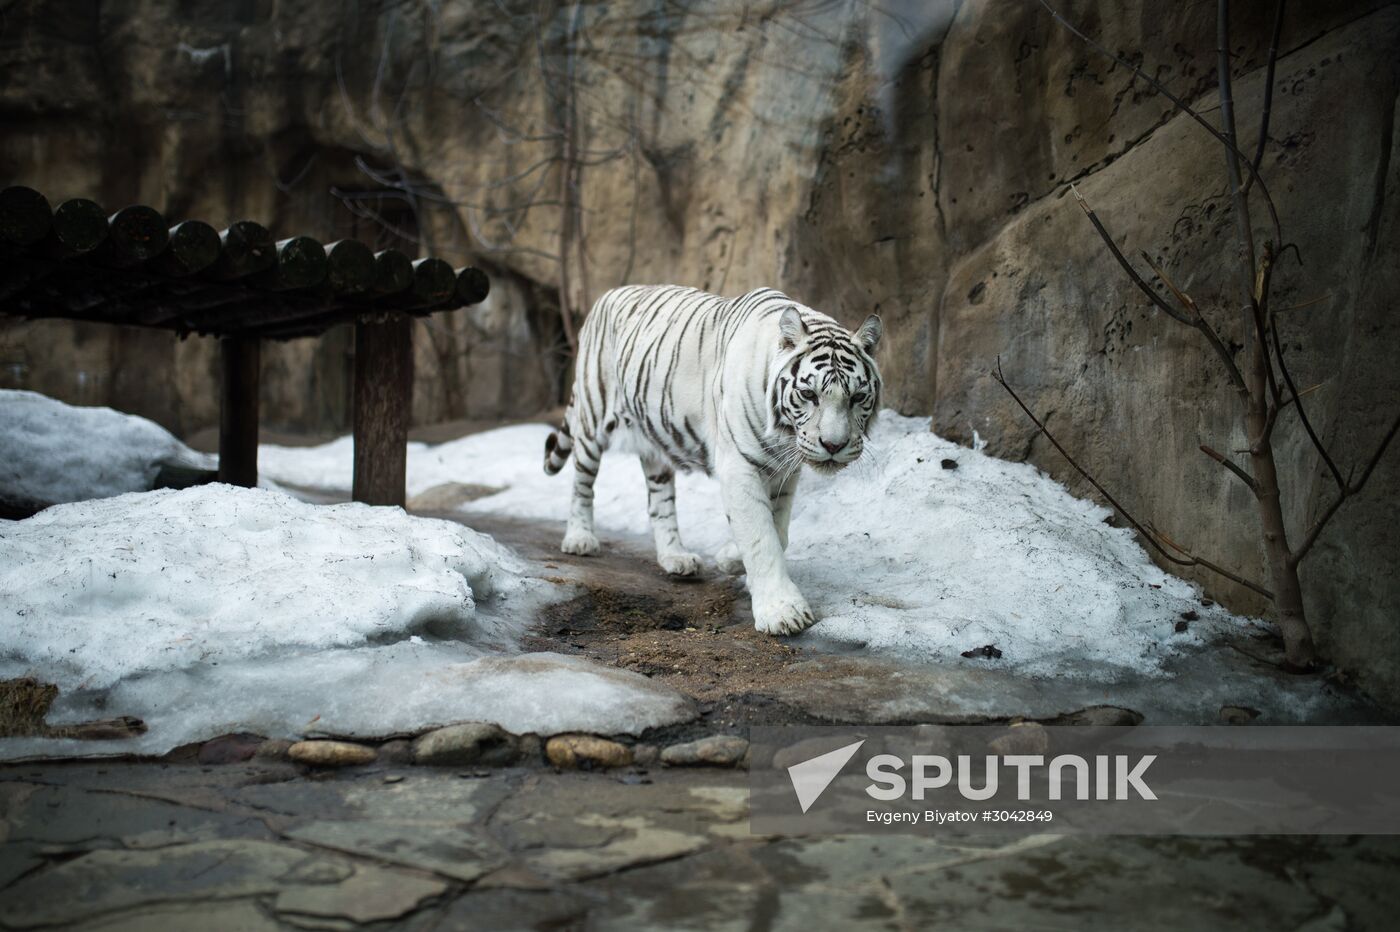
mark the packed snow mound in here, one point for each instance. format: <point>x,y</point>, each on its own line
<point>52,452</point>
<point>218,609</point>
<point>144,583</point>
<point>897,553</point>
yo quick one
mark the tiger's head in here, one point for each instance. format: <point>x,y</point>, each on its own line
<point>826,391</point>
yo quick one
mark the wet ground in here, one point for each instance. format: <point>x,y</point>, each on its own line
<point>262,846</point>
<point>269,844</point>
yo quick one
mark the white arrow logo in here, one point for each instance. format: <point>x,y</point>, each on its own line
<point>811,777</point>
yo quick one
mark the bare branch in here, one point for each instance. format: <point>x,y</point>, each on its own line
<point>1128,266</point>
<point>1195,318</point>
<point>1309,303</point>
<point>1200,323</point>
<point>1177,101</point>
<point>1268,99</point>
<point>1151,536</point>
<point>1347,491</point>
<point>1262,317</point>
<point>1232,152</point>
<point>1296,397</point>
<point>1206,564</point>
<point>1231,465</point>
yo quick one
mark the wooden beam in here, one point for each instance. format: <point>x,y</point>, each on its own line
<point>245,249</point>
<point>301,263</point>
<point>382,408</point>
<point>238,411</point>
<point>349,267</point>
<point>472,285</point>
<point>79,226</point>
<point>131,268</point>
<point>135,235</point>
<point>25,216</point>
<point>194,247</point>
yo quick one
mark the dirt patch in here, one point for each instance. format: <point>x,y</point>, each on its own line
<point>697,638</point>
<point>24,706</point>
<point>600,609</point>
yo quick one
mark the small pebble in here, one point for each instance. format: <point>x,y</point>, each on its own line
<point>714,751</point>
<point>949,464</point>
<point>1237,714</point>
<point>331,753</point>
<point>586,752</point>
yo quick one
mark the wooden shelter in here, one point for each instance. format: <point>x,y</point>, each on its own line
<point>242,286</point>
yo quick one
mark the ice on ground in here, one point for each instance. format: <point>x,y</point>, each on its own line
<point>53,452</point>
<point>366,692</point>
<point>897,554</point>
<point>217,609</point>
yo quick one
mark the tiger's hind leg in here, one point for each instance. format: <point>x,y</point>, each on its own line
<point>578,536</point>
<point>661,507</point>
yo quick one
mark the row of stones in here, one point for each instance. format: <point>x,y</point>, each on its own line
<point>484,744</point>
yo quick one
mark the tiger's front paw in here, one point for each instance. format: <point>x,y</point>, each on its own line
<point>679,563</point>
<point>729,559</point>
<point>581,543</point>
<point>787,614</point>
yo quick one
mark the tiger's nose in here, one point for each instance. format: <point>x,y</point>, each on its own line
<point>833,448</point>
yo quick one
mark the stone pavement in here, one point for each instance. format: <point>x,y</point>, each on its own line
<point>268,845</point>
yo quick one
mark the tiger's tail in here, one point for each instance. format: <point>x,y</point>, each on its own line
<point>557,447</point>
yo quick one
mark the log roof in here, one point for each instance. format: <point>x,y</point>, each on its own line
<point>135,267</point>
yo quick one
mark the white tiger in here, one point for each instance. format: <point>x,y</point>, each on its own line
<point>747,389</point>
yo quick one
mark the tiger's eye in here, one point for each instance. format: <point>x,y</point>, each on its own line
<point>808,395</point>
<point>859,398</point>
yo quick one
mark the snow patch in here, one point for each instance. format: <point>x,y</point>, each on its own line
<point>898,555</point>
<point>53,452</point>
<point>217,609</point>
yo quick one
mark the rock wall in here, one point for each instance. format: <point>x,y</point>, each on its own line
<point>911,158</point>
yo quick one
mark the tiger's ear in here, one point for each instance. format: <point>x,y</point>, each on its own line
<point>870,332</point>
<point>793,332</point>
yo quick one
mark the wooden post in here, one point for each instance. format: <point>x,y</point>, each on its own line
<point>383,405</point>
<point>238,411</point>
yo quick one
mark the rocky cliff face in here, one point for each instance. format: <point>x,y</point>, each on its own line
<point>912,159</point>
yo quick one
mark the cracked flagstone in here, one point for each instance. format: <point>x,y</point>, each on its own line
<point>626,849</point>
<point>451,850</point>
<point>368,895</point>
<point>108,880</point>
